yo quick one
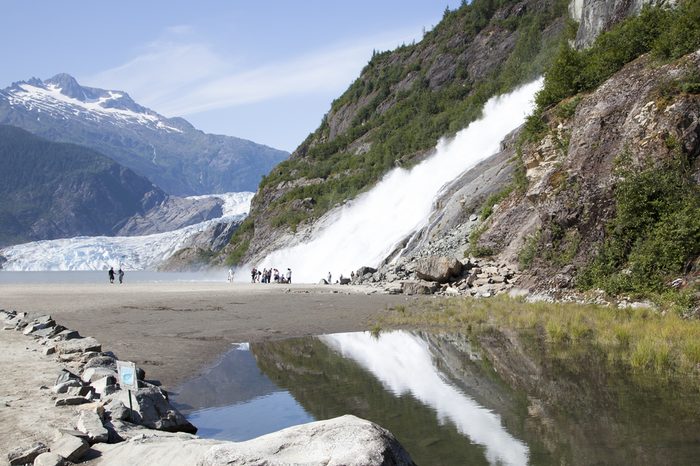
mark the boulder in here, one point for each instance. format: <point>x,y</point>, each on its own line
<point>50,459</point>
<point>105,386</point>
<point>438,268</point>
<point>346,440</point>
<point>70,447</point>
<point>26,455</point>
<point>65,380</point>
<point>67,335</point>
<point>344,281</point>
<point>152,409</point>
<point>78,345</point>
<point>411,287</point>
<point>91,424</point>
<point>362,271</point>
<point>95,373</point>
<point>48,332</point>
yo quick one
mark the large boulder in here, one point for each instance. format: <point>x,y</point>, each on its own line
<point>78,345</point>
<point>345,440</point>
<point>439,269</point>
<point>411,287</point>
<point>26,455</point>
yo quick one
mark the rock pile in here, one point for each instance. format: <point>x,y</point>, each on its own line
<point>440,275</point>
<point>142,427</point>
<point>89,382</point>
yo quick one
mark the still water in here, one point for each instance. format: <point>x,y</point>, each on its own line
<point>445,402</point>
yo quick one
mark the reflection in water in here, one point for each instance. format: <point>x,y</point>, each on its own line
<point>250,419</point>
<point>453,400</point>
<point>403,363</point>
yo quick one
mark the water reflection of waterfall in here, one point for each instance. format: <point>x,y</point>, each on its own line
<point>366,230</point>
<point>404,364</point>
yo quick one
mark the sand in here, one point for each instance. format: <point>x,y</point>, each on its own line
<point>176,330</point>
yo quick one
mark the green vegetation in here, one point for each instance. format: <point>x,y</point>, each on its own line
<point>667,33</point>
<point>241,238</point>
<point>400,111</point>
<point>655,231</point>
<point>640,340</point>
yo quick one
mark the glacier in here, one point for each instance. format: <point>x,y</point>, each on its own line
<point>367,229</point>
<point>130,252</point>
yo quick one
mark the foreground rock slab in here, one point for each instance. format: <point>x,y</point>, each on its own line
<point>346,440</point>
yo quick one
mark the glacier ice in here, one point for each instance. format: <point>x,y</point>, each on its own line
<point>130,252</point>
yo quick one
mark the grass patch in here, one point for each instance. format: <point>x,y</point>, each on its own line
<point>641,340</point>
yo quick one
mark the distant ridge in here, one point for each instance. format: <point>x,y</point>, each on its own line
<point>169,151</point>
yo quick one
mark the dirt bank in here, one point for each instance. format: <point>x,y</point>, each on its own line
<point>173,330</point>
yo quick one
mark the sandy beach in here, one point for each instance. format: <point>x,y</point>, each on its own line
<point>174,330</point>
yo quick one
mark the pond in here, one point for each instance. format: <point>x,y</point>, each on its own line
<point>449,400</point>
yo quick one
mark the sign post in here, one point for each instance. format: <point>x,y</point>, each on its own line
<point>128,380</point>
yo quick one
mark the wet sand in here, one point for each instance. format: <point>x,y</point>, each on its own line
<point>175,330</point>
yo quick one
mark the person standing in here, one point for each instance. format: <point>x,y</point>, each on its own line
<point>230,276</point>
<point>121,276</point>
<point>330,278</point>
<point>289,275</point>
<point>111,274</point>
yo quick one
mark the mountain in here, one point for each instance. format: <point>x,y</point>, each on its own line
<point>54,190</point>
<point>599,189</point>
<point>169,151</point>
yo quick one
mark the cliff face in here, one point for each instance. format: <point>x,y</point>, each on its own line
<point>563,216</point>
<point>596,16</point>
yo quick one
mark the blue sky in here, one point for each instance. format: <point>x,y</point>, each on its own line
<point>265,71</point>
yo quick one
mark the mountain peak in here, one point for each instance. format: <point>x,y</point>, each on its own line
<point>69,86</point>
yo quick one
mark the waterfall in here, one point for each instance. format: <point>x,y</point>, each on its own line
<point>365,230</point>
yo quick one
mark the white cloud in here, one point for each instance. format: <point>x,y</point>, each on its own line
<point>177,75</point>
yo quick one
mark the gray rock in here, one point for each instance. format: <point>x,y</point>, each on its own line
<point>70,447</point>
<point>67,335</point>
<point>65,386</point>
<point>438,268</point>
<point>48,332</point>
<point>117,411</point>
<point>71,401</point>
<point>49,350</point>
<point>412,287</point>
<point>105,386</point>
<point>346,440</point>
<point>26,455</point>
<point>91,424</point>
<point>95,373</point>
<point>50,459</point>
<point>79,345</point>
<point>362,271</point>
<point>152,409</point>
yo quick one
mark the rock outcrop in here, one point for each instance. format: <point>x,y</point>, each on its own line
<point>596,16</point>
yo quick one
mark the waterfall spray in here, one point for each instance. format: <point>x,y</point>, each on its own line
<point>366,230</point>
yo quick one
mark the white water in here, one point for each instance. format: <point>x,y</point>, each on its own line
<point>131,252</point>
<point>402,362</point>
<point>366,230</point>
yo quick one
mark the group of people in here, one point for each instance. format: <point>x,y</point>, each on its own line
<point>120,274</point>
<point>270,275</point>
<point>341,280</point>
